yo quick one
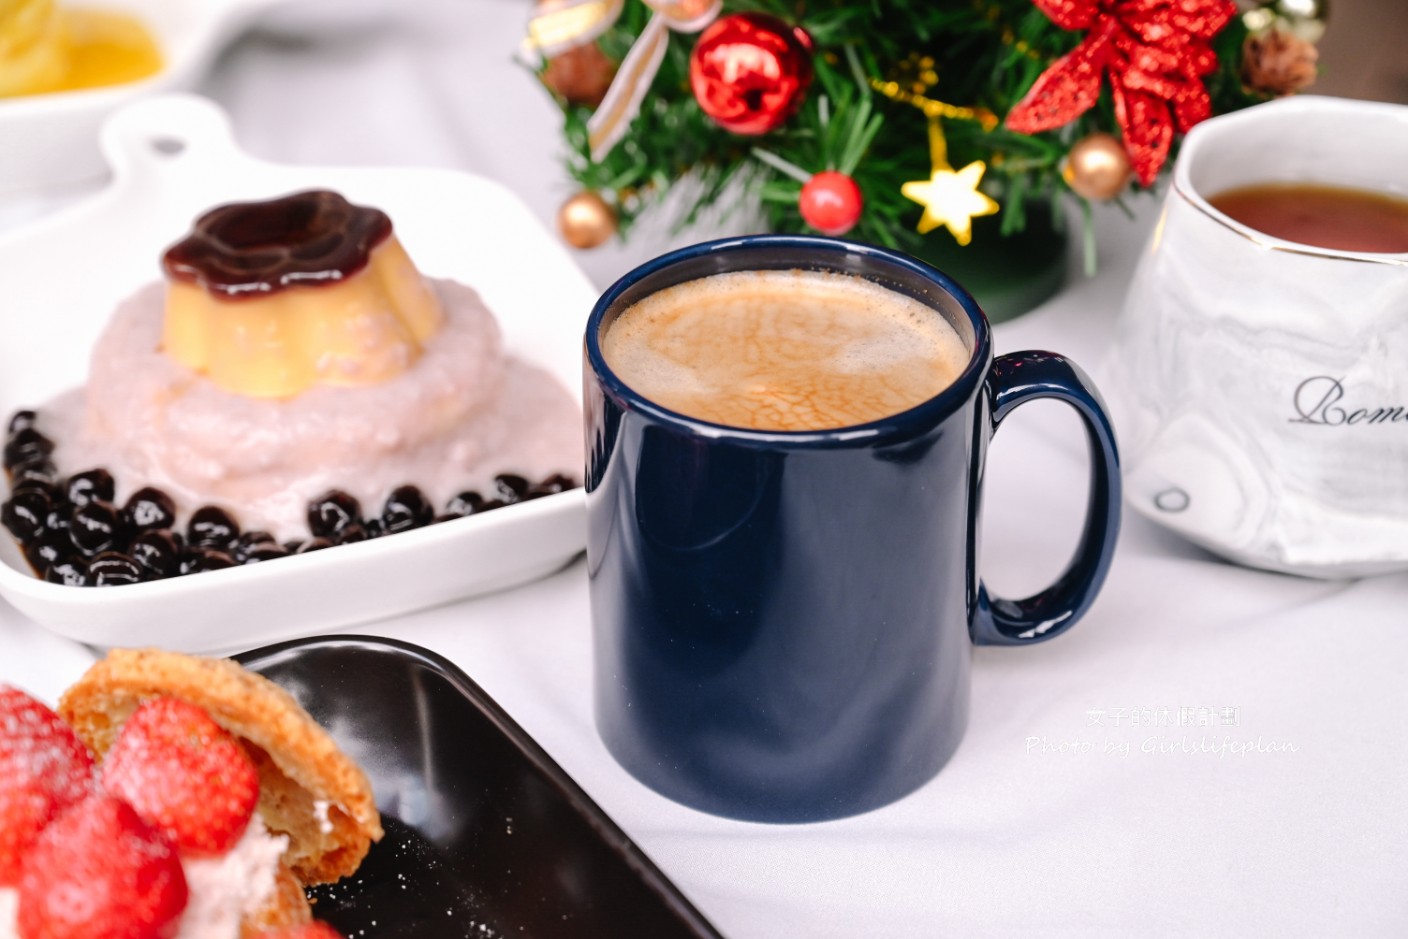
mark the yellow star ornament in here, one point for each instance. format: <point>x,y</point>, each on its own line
<point>951,199</point>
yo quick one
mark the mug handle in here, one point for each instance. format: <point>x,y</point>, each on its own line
<point>1014,380</point>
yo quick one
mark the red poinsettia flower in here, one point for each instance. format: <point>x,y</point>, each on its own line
<point>1155,53</point>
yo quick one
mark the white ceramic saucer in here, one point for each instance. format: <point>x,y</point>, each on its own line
<point>173,157</point>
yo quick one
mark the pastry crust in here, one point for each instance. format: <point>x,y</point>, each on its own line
<point>287,906</point>
<point>309,789</point>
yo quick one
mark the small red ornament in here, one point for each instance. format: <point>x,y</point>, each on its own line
<point>749,72</point>
<point>1155,52</point>
<point>831,203</point>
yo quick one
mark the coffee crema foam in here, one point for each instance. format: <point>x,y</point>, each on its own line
<point>784,350</point>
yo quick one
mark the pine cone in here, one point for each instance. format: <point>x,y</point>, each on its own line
<point>580,75</point>
<point>1277,63</point>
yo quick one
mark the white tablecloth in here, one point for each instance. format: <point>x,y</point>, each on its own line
<point>1213,751</point>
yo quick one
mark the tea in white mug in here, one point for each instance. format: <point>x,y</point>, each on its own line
<point>1336,217</point>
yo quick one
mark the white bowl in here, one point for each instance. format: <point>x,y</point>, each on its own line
<point>50,140</point>
<point>64,274</point>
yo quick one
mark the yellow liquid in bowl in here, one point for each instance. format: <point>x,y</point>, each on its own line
<point>43,49</point>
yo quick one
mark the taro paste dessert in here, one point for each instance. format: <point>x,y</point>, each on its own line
<point>294,383</point>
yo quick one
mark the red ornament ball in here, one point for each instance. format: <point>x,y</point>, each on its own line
<point>831,203</point>
<point>749,72</point>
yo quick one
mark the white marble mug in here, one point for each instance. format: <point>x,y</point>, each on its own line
<point>1262,385</point>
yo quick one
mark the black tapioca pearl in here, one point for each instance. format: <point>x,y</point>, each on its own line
<point>314,544</point>
<point>114,569</point>
<point>406,508</point>
<point>510,487</point>
<point>25,514</point>
<point>42,471</point>
<point>95,527</point>
<point>71,572</point>
<point>353,533</point>
<point>198,559</point>
<point>466,503</point>
<point>21,420</point>
<point>150,509</point>
<point>57,519</point>
<point>89,485</point>
<point>51,491</point>
<point>249,541</point>
<point>26,445</point>
<point>264,551</point>
<point>551,486</point>
<point>158,552</point>
<point>332,512</point>
<point>212,527</point>
<point>47,549</point>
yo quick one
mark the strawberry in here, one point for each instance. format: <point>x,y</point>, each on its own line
<point>43,770</point>
<point>184,774</point>
<point>314,930</point>
<point>100,872</point>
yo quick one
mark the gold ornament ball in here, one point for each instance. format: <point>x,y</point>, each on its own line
<point>1097,167</point>
<point>586,221</point>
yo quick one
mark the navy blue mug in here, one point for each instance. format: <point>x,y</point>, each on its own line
<point>783,621</point>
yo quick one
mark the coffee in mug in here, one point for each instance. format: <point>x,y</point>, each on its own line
<point>790,350</point>
<point>783,616</point>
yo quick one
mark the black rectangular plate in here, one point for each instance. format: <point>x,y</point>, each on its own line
<point>485,835</point>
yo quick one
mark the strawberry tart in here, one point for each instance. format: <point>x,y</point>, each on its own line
<point>172,797</point>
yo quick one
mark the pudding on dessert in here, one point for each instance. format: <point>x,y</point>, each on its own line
<point>293,348</point>
<point>270,299</point>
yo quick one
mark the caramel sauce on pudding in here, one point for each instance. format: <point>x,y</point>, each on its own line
<point>271,299</point>
<point>1335,217</point>
<point>245,249</point>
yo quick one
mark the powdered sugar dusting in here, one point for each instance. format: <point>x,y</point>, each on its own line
<point>320,812</point>
<point>222,890</point>
<point>225,889</point>
<point>9,910</point>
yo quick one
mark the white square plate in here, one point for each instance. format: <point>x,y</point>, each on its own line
<point>62,276</point>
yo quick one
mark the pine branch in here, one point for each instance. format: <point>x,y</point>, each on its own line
<point>987,54</point>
